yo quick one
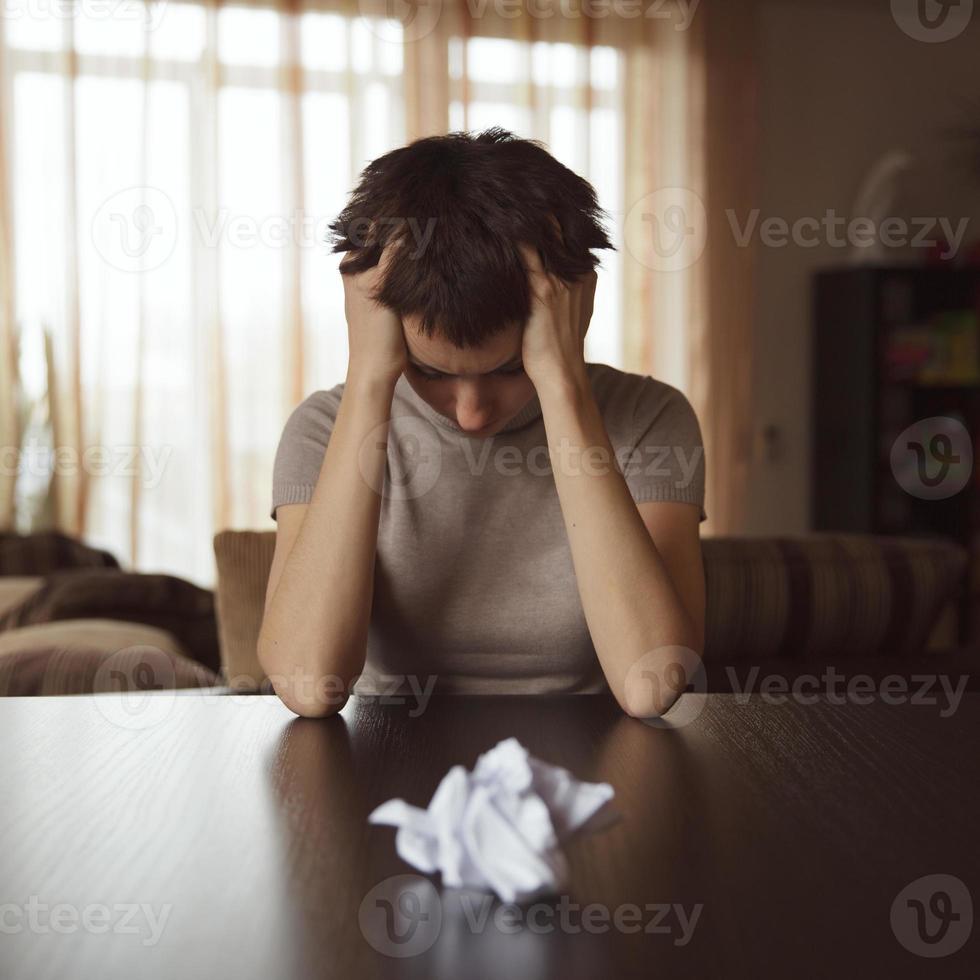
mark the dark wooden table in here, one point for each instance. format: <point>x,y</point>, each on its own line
<point>792,827</point>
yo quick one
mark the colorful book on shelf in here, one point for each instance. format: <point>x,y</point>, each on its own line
<point>942,351</point>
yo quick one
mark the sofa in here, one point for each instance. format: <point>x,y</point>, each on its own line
<point>780,607</point>
<point>71,621</point>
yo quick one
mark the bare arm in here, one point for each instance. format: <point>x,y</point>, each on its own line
<point>639,571</point>
<point>313,640</point>
<point>639,574</point>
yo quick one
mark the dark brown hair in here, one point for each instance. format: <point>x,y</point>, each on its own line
<point>458,205</point>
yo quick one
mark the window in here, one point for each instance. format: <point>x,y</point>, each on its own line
<point>171,187</point>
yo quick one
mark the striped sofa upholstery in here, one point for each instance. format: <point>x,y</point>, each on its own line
<point>826,597</point>
<point>816,597</point>
<point>86,656</point>
<point>243,560</point>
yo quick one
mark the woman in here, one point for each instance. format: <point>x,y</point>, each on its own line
<point>476,508</point>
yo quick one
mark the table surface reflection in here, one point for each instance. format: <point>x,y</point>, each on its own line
<point>225,837</point>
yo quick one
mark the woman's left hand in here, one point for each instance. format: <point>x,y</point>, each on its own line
<point>554,336</point>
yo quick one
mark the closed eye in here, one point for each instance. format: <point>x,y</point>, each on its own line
<point>437,376</point>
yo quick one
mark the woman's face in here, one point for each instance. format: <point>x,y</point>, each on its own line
<point>481,388</point>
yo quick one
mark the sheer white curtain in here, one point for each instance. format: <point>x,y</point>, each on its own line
<point>166,176</point>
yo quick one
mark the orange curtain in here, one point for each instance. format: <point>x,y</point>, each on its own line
<point>163,203</point>
<point>721,341</point>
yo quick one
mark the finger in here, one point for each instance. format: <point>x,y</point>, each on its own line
<point>556,226</point>
<point>588,299</point>
<point>388,256</point>
<point>591,280</point>
<point>346,260</point>
<point>546,288</point>
<point>532,261</point>
<point>584,287</point>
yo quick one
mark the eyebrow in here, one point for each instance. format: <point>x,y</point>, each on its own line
<point>515,361</point>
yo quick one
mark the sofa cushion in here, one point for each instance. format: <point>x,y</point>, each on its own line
<point>48,551</point>
<point>824,597</point>
<point>86,656</point>
<point>165,601</point>
<point>243,560</point>
<point>15,589</point>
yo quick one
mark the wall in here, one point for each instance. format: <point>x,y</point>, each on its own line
<point>840,85</point>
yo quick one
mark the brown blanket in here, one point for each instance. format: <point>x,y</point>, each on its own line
<point>48,551</point>
<point>165,601</point>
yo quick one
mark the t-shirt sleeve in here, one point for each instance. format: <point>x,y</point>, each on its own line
<point>301,449</point>
<point>666,462</point>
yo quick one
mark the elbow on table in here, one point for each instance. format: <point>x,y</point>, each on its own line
<point>642,701</point>
<point>316,701</point>
<point>656,682</point>
<point>305,694</point>
<point>310,707</point>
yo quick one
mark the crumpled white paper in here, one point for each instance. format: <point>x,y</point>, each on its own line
<point>499,826</point>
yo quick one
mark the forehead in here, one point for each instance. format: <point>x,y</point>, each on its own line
<point>437,352</point>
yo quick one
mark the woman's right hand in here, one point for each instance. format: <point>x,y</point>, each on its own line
<point>375,334</point>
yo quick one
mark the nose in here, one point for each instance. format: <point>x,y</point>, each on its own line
<point>473,409</point>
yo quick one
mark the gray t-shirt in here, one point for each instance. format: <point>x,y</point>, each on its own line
<point>474,582</point>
